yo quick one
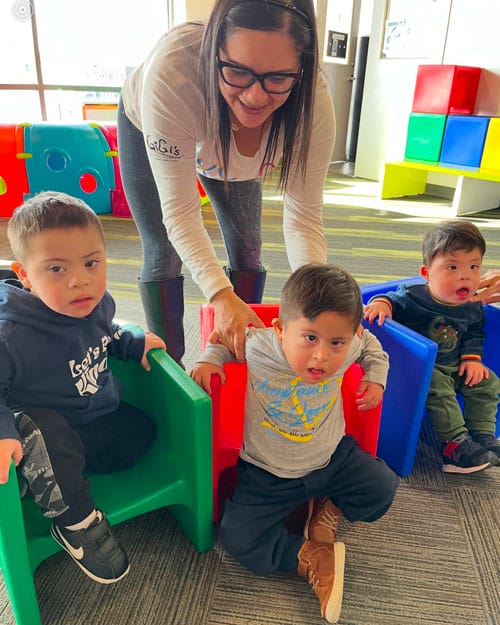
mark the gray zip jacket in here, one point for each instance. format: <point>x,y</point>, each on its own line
<point>293,428</point>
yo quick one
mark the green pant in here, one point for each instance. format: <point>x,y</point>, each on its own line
<point>480,402</point>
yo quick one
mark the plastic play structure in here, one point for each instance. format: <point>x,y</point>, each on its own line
<point>80,159</point>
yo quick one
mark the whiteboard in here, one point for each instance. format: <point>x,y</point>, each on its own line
<point>416,29</point>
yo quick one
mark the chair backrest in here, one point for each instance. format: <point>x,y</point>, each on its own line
<point>411,362</point>
<point>491,356</point>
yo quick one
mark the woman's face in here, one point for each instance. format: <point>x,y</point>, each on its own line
<point>262,52</point>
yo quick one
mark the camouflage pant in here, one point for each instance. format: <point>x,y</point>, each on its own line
<point>36,468</point>
<point>58,456</point>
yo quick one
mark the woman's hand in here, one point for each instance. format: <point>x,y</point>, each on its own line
<point>232,317</point>
<point>490,282</point>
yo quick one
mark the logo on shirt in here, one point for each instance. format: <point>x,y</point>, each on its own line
<point>445,335</point>
<point>86,372</point>
<point>162,147</point>
<point>290,412</point>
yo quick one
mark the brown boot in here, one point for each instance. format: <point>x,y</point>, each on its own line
<point>322,521</point>
<point>322,564</point>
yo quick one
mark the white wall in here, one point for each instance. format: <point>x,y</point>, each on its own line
<point>198,9</point>
<point>184,10</point>
<point>472,38</point>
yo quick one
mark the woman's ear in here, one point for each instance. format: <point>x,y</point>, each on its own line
<point>424,272</point>
<point>21,273</point>
<point>277,325</point>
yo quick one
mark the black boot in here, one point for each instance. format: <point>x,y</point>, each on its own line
<point>248,285</point>
<point>163,304</point>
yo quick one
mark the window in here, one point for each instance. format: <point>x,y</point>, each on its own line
<point>62,55</point>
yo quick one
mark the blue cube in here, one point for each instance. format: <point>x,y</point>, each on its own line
<point>463,140</point>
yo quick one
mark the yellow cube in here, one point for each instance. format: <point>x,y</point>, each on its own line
<point>491,150</point>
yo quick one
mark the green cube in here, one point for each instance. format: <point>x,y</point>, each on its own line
<point>425,136</point>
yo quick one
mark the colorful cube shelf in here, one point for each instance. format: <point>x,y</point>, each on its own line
<point>463,140</point>
<point>446,89</point>
<point>424,136</point>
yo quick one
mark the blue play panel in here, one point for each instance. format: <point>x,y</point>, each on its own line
<point>71,158</point>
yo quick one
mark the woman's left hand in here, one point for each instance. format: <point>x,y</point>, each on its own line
<point>232,317</point>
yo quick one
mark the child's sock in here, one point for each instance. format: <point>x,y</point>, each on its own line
<point>85,523</point>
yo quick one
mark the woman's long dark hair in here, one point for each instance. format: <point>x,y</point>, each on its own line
<point>297,19</point>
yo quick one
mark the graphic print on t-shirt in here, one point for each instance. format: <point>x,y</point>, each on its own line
<point>294,411</point>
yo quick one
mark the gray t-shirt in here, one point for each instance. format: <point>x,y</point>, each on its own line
<point>293,428</point>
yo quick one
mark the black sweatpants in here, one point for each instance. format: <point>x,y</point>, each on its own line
<point>57,456</point>
<point>253,526</point>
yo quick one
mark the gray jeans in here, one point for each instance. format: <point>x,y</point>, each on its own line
<point>237,207</point>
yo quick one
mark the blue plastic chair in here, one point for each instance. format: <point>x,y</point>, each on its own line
<point>410,374</point>
<point>491,356</point>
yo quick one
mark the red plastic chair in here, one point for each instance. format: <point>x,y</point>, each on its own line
<point>228,401</point>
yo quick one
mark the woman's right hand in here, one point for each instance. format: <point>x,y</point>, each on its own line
<point>232,317</point>
<point>490,282</point>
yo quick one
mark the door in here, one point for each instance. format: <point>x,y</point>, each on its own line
<point>337,31</point>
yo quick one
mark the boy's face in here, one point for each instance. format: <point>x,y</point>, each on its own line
<point>315,350</point>
<point>454,278</point>
<point>66,269</point>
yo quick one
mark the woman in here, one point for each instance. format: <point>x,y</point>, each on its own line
<point>225,100</point>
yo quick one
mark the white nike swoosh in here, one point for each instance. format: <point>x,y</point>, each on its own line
<point>76,553</point>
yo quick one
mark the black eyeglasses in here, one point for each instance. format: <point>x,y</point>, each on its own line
<point>243,77</point>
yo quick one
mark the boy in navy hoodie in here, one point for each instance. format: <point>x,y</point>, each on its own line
<point>444,310</point>
<point>60,408</point>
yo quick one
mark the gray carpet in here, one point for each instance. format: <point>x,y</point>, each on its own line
<point>431,560</point>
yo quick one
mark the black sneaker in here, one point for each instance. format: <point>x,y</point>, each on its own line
<point>95,550</point>
<point>487,441</point>
<point>463,455</point>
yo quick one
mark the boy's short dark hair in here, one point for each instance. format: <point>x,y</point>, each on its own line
<point>315,288</point>
<point>450,236</point>
<point>45,211</point>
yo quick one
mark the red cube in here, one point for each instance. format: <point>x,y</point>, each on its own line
<point>446,89</point>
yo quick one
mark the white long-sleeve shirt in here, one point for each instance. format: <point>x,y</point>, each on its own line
<point>164,99</point>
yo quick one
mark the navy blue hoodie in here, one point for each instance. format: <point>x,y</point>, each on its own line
<point>54,361</point>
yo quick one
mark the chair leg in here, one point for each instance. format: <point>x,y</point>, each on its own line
<point>14,558</point>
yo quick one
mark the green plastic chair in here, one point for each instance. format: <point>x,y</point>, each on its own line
<point>176,472</point>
